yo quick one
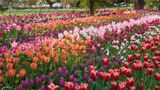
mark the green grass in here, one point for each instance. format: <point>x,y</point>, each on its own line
<point>44,11</point>
<point>37,11</point>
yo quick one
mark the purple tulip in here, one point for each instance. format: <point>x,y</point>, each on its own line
<point>82,66</point>
<point>66,73</point>
<point>71,77</point>
<point>90,81</point>
<point>38,80</point>
<point>60,70</point>
<point>51,75</point>
<point>26,83</point>
<point>75,66</point>
<point>61,82</point>
<point>43,77</point>
<point>85,76</point>
<point>31,83</point>
<point>76,73</point>
<point>20,87</point>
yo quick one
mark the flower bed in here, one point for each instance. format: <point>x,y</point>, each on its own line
<point>120,55</point>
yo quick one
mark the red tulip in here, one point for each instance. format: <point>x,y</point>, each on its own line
<point>126,64</point>
<point>107,76</point>
<point>139,66</point>
<point>51,86</point>
<point>157,87</point>
<point>154,58</point>
<point>157,53</point>
<point>145,64</point>
<point>137,56</point>
<point>84,86</point>
<point>101,75</point>
<point>122,86</point>
<point>93,74</point>
<point>113,84</point>
<point>157,76</point>
<point>134,47</point>
<point>133,88</point>
<point>128,72</point>
<point>68,86</point>
<point>143,49</point>
<point>130,81</point>
<point>115,75</point>
<point>92,67</point>
<point>153,48</point>
<point>150,71</point>
<point>77,87</point>
<point>147,40</point>
<point>105,61</point>
<point>129,58</point>
<point>146,57</point>
<point>141,86</point>
<point>122,70</point>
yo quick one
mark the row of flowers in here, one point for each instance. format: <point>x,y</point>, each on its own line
<point>78,61</point>
<point>23,35</point>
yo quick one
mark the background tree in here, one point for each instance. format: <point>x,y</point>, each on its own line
<point>4,4</point>
<point>138,4</point>
<point>51,2</point>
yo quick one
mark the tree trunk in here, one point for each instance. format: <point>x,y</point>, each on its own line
<point>138,4</point>
<point>50,5</point>
<point>91,7</point>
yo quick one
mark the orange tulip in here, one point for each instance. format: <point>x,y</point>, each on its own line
<point>22,72</point>
<point>47,59</point>
<point>33,66</point>
<point>17,52</point>
<point>6,54</point>
<point>1,64</point>
<point>15,60</point>
<point>35,59</point>
<point>8,60</point>
<point>9,65</point>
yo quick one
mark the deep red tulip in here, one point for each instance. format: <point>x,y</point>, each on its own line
<point>68,86</point>
<point>128,72</point>
<point>115,75</point>
<point>133,88</point>
<point>101,75</point>
<point>157,87</point>
<point>113,84</point>
<point>143,49</point>
<point>129,58</point>
<point>122,86</point>
<point>153,48</point>
<point>137,56</point>
<point>134,47</point>
<point>107,76</point>
<point>130,81</point>
<point>122,70</point>
<point>84,86</point>
<point>150,71</point>
<point>92,68</point>
<point>147,40</point>
<point>157,76</point>
<point>145,64</point>
<point>146,57</point>
<point>51,86</point>
<point>105,61</point>
<point>157,53</point>
<point>93,74</point>
<point>126,64</point>
<point>141,86</point>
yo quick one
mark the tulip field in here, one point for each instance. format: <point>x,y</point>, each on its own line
<point>113,50</point>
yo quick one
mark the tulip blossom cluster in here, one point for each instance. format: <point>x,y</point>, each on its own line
<point>122,55</point>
